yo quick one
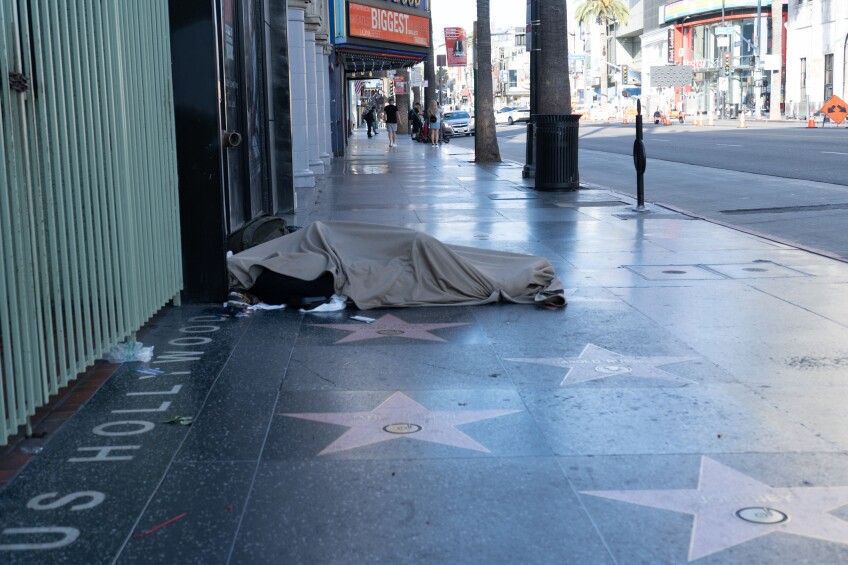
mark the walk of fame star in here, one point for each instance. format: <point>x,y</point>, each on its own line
<point>388,326</point>
<point>731,508</point>
<point>598,363</point>
<point>401,417</point>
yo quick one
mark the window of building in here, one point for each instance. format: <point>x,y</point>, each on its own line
<point>803,92</point>
<point>828,76</point>
<point>513,79</point>
<point>520,40</point>
<point>845,69</point>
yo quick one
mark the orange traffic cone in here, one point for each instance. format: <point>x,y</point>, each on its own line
<point>811,122</point>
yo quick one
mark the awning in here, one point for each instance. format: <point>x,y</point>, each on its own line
<point>363,59</point>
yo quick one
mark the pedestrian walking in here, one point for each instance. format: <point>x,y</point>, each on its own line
<point>369,120</point>
<point>435,121</point>
<point>391,114</point>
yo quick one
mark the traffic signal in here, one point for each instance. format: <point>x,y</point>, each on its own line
<point>624,74</point>
<point>727,64</point>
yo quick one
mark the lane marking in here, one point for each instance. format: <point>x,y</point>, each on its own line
<point>834,153</point>
<point>728,145</point>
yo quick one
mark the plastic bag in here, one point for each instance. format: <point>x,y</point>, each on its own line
<point>129,351</point>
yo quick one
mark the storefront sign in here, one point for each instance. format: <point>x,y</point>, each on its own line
<point>388,25</point>
<point>455,46</point>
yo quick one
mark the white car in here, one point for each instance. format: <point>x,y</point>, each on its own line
<point>511,114</point>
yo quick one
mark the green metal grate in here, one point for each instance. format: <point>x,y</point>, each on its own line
<point>89,219</point>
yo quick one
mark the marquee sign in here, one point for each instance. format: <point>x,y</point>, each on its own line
<point>388,25</point>
<point>682,8</point>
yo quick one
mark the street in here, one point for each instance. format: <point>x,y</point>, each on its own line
<point>781,180</point>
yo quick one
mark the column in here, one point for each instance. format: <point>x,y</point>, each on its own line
<point>322,83</point>
<point>303,176</point>
<point>315,163</point>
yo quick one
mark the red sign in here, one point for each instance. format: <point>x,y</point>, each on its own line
<point>836,109</point>
<point>400,84</point>
<point>455,43</point>
<point>388,25</point>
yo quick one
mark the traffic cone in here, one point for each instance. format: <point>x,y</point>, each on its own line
<point>811,122</point>
<point>742,120</point>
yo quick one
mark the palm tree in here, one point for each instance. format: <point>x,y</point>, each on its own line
<point>777,49</point>
<point>486,140</point>
<point>603,12</point>
<point>554,96</point>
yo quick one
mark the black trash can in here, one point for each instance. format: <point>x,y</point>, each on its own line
<point>556,151</point>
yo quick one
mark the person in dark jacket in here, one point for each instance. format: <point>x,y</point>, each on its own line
<point>415,120</point>
<point>369,117</point>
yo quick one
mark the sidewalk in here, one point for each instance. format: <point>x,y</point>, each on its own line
<point>687,405</point>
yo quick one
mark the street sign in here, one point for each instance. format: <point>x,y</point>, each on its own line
<point>722,83</point>
<point>836,109</point>
<point>723,30</point>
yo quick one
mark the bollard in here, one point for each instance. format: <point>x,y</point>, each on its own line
<point>742,120</point>
<point>640,160</point>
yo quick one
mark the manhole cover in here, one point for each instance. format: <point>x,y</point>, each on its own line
<point>402,428</point>
<point>673,272</point>
<point>755,270</point>
<point>762,515</point>
<point>613,369</point>
<point>390,332</point>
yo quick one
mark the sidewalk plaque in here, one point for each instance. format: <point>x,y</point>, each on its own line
<point>836,109</point>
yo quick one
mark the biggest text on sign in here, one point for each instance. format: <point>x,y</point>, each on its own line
<point>388,25</point>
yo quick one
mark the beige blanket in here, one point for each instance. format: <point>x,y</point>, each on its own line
<point>378,266</point>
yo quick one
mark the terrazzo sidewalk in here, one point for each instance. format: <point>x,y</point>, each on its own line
<point>688,405</point>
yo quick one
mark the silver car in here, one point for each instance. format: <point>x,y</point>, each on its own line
<point>460,121</point>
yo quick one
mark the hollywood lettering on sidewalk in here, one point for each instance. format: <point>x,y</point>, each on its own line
<point>124,439</point>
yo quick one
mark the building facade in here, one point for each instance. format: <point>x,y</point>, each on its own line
<point>816,55</point>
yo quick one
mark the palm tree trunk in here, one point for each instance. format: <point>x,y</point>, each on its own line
<point>554,96</point>
<point>430,72</point>
<point>486,140</point>
<point>776,81</point>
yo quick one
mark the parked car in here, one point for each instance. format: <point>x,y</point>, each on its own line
<point>460,121</point>
<point>511,114</point>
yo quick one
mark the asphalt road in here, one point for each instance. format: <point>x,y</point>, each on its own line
<point>781,180</point>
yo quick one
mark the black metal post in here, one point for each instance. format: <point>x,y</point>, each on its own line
<point>640,160</point>
<point>529,170</point>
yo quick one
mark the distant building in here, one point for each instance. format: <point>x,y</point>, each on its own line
<point>816,55</point>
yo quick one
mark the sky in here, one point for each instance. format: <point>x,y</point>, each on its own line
<point>462,13</point>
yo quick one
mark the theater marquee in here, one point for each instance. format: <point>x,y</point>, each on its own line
<point>384,24</point>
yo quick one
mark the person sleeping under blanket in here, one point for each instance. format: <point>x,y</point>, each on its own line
<point>378,266</point>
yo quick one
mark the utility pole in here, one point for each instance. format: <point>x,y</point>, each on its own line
<point>776,79</point>
<point>723,97</point>
<point>758,73</point>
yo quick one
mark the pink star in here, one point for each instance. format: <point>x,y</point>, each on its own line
<point>595,363</point>
<point>401,417</point>
<point>725,498</point>
<point>388,326</point>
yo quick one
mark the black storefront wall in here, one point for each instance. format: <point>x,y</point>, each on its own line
<point>234,152</point>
